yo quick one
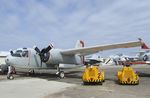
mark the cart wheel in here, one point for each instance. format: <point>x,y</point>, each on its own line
<point>100,83</point>
<point>85,83</point>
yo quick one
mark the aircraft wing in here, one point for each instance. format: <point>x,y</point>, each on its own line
<point>95,49</point>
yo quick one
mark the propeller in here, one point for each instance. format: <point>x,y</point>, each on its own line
<point>44,53</point>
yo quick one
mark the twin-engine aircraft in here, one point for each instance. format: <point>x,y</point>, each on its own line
<point>49,57</point>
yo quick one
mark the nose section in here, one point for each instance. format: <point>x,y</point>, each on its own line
<point>8,60</point>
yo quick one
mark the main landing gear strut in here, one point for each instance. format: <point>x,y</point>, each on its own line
<point>60,73</point>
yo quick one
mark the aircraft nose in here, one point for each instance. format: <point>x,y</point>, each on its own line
<point>8,60</point>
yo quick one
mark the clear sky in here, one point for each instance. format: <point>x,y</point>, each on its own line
<point>25,23</point>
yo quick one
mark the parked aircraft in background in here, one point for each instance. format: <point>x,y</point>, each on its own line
<point>142,55</point>
<point>93,59</point>
<point>49,57</point>
<point>146,54</point>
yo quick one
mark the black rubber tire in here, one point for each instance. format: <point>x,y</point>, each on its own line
<point>10,77</point>
<point>100,83</point>
<point>85,83</point>
<point>31,73</point>
<point>145,58</point>
<point>61,74</point>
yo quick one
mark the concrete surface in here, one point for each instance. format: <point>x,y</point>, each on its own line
<point>110,88</point>
<point>30,88</point>
<point>49,86</point>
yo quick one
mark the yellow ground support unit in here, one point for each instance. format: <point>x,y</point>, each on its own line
<point>128,76</point>
<point>93,74</point>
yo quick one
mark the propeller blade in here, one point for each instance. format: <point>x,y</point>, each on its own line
<point>37,50</point>
<point>45,50</point>
<point>44,55</point>
<point>11,52</point>
<point>48,48</point>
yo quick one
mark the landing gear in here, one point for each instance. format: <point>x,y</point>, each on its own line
<point>60,74</point>
<point>31,72</point>
<point>11,71</point>
<point>11,77</point>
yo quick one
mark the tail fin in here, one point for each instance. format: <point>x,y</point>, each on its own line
<point>79,44</point>
<point>143,46</point>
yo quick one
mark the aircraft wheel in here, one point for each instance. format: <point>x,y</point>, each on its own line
<point>10,77</point>
<point>61,74</point>
<point>31,72</point>
<point>145,58</point>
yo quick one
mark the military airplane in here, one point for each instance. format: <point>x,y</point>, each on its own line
<point>49,57</point>
<point>93,59</point>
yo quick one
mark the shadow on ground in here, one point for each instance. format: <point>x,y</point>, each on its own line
<point>142,74</point>
<point>74,75</point>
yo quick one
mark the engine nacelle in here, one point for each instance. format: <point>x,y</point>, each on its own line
<point>56,58</point>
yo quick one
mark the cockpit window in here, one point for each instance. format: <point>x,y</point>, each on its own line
<point>20,53</point>
<point>25,53</point>
<point>17,53</point>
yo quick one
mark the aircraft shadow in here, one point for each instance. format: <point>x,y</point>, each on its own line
<point>74,74</point>
<point>142,74</point>
<point>49,76</point>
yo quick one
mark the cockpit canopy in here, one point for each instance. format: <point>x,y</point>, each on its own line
<point>20,53</point>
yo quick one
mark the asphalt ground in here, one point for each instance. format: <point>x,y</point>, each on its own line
<point>109,89</point>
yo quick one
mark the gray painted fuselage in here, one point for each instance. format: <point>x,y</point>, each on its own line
<point>33,61</point>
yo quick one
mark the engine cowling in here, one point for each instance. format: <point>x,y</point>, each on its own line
<point>56,58</point>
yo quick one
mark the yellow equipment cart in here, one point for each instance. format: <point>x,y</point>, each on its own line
<point>128,76</point>
<point>93,75</point>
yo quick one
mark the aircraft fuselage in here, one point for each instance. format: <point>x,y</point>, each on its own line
<point>32,59</point>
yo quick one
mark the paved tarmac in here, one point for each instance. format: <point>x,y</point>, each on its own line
<point>75,89</point>
<point>110,88</point>
<point>30,88</point>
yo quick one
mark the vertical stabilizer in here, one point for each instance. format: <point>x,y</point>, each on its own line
<point>79,44</point>
<point>143,46</point>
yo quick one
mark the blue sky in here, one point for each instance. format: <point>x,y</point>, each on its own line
<point>25,23</point>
